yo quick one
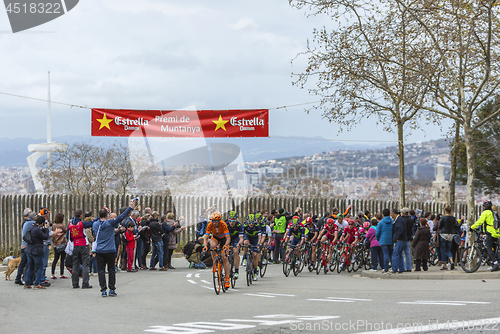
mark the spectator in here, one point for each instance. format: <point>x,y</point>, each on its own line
<point>47,242</point>
<point>123,241</point>
<point>138,241</point>
<point>88,217</point>
<point>201,228</point>
<point>105,248</point>
<point>447,225</point>
<point>156,237</point>
<point>81,250</point>
<point>34,251</point>
<point>174,231</point>
<point>28,221</point>
<point>384,237</point>
<point>166,238</point>
<point>144,234</point>
<point>399,239</point>
<point>59,241</point>
<point>375,248</point>
<point>129,234</point>
<point>279,233</point>
<point>409,222</point>
<point>421,245</point>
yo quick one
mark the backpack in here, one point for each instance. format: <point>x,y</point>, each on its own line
<point>28,238</point>
<point>496,217</point>
<point>367,243</point>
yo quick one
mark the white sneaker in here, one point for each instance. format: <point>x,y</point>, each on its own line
<point>373,270</point>
<point>490,269</point>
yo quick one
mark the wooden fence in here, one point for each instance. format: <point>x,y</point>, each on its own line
<point>12,207</point>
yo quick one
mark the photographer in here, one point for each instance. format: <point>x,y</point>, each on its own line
<point>34,251</point>
<point>105,247</point>
<point>81,250</point>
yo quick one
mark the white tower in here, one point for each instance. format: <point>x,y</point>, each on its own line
<point>440,187</point>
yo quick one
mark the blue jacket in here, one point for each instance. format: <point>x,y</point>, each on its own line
<point>38,235</point>
<point>384,231</point>
<point>105,236</point>
<point>399,230</point>
<point>26,226</point>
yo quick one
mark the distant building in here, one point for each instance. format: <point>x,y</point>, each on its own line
<point>440,188</point>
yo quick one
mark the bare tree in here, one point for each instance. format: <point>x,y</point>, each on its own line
<point>462,67</point>
<point>361,68</point>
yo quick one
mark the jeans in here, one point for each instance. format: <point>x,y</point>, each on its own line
<point>387,250</point>
<point>157,251</point>
<point>407,256</point>
<point>397,257</point>
<point>445,249</point>
<point>201,265</point>
<point>377,256</point>
<point>80,256</point>
<point>24,263</point>
<point>35,261</point>
<point>103,260</point>
<point>46,253</point>
<point>92,264</point>
<point>144,253</point>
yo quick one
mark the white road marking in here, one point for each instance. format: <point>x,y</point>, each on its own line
<point>206,282</point>
<point>263,322</point>
<point>206,287</point>
<point>332,300</point>
<point>279,316</point>
<point>316,318</point>
<point>189,275</point>
<point>443,302</point>
<point>489,324</point>
<point>214,325</point>
<point>276,294</point>
<point>256,295</point>
<point>192,282</point>
<point>176,330</point>
<point>354,299</point>
<point>197,275</point>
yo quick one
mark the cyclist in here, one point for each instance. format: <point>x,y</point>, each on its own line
<point>235,228</point>
<point>251,235</point>
<point>488,222</point>
<point>341,223</point>
<point>329,232</point>
<point>297,234</point>
<point>312,232</point>
<point>217,228</point>
<point>265,233</point>
<point>335,213</point>
<point>351,234</point>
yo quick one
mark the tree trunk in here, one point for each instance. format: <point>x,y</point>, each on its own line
<point>401,156</point>
<point>453,170</point>
<point>471,213</point>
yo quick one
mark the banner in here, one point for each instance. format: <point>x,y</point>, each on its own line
<point>180,123</point>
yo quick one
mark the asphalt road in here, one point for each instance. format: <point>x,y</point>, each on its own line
<point>183,301</point>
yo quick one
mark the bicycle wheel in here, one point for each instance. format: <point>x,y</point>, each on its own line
<point>352,262</point>
<point>470,259</point>
<point>302,261</point>
<point>249,276</point>
<point>342,262</point>
<point>287,264</point>
<point>368,259</point>
<point>222,277</point>
<point>215,272</point>
<point>358,261</point>
<point>334,262</point>
<point>263,266</point>
<point>319,261</point>
<point>295,264</point>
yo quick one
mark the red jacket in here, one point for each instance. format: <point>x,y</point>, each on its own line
<point>130,239</point>
<point>77,234</point>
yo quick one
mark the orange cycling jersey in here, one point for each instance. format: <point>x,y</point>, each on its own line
<point>219,232</point>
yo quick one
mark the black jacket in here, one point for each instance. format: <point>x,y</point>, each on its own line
<point>38,235</point>
<point>399,230</point>
<point>409,222</point>
<point>156,230</point>
<point>447,224</point>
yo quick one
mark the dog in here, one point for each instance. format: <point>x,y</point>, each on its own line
<point>12,265</point>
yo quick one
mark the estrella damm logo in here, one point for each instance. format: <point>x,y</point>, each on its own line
<point>26,14</point>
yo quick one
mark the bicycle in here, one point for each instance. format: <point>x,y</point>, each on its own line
<point>264,260</point>
<point>230,258</point>
<point>322,258</point>
<point>345,261</point>
<point>292,261</point>
<point>471,256</point>
<point>217,271</point>
<point>307,256</point>
<point>249,267</point>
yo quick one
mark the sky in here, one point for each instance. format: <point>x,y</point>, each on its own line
<point>168,54</point>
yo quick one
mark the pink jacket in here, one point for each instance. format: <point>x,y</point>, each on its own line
<point>370,235</point>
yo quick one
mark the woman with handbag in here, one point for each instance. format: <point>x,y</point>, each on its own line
<point>59,242</point>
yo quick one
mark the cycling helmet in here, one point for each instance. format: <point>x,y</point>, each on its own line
<point>233,215</point>
<point>295,223</point>
<point>340,216</point>
<point>366,225</point>
<point>258,216</point>
<point>329,221</point>
<point>251,218</point>
<point>487,204</point>
<point>309,220</point>
<point>350,221</point>
<point>215,216</point>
